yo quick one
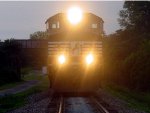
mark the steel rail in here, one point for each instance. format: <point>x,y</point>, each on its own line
<point>61,105</point>
<point>100,107</point>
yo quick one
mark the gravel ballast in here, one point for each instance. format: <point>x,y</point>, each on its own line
<point>36,103</point>
<point>116,103</point>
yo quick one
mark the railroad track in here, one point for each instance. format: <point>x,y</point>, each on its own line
<point>63,104</point>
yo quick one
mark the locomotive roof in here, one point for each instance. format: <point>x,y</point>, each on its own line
<point>63,15</point>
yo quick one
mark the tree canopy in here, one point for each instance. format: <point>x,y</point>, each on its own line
<point>10,62</point>
<point>127,52</point>
<point>39,35</point>
<point>136,16</point>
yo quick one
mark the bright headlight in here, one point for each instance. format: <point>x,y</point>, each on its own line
<point>89,58</point>
<point>61,59</point>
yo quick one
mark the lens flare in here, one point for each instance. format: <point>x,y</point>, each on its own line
<point>89,59</point>
<point>74,15</point>
<point>61,59</point>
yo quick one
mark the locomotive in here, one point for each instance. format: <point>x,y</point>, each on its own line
<point>74,53</point>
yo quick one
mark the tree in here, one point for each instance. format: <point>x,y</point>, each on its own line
<point>126,52</point>
<point>135,16</point>
<point>10,62</point>
<point>39,35</point>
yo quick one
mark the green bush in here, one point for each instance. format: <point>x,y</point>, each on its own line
<point>8,75</point>
<point>26,70</point>
<point>137,68</point>
<point>125,67</point>
<point>10,64</point>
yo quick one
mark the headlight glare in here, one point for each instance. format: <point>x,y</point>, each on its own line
<point>89,59</point>
<point>61,59</point>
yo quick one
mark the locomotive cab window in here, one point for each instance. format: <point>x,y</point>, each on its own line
<point>54,26</point>
<point>94,26</point>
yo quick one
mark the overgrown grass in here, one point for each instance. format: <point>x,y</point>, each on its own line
<point>43,80</point>
<point>134,99</point>
<point>44,84</point>
<point>24,72</point>
<point>10,102</point>
<point>32,76</point>
<point>10,85</point>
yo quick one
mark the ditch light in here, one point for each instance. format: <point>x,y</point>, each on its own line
<point>89,59</point>
<point>61,59</point>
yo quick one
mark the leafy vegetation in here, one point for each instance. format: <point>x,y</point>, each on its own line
<point>25,70</point>
<point>136,100</point>
<point>127,52</point>
<point>10,62</point>
<point>39,35</point>
<point>10,102</point>
<point>43,79</point>
<point>135,16</point>
<point>132,69</point>
<point>11,85</point>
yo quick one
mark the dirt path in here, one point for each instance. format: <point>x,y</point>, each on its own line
<point>19,88</point>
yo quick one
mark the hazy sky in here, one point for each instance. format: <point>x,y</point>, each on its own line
<point>20,19</point>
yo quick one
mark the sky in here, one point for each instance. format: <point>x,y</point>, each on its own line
<point>19,19</point>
